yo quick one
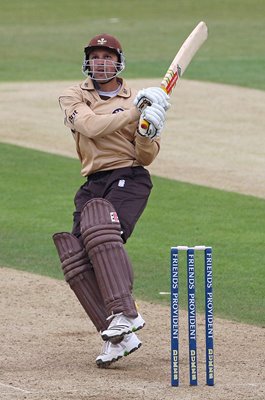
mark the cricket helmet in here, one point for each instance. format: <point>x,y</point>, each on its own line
<point>104,40</point>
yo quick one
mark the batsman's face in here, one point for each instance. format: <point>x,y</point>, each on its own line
<point>103,64</point>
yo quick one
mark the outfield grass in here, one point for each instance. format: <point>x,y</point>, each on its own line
<point>44,39</point>
<point>37,200</point>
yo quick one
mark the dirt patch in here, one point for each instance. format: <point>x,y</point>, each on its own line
<point>48,351</point>
<point>214,137</point>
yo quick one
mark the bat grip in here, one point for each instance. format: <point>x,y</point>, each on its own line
<point>145,124</point>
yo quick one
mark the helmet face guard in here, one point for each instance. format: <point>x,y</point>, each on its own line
<point>109,42</point>
<point>109,69</point>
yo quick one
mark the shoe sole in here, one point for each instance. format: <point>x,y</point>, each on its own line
<point>118,338</point>
<point>106,364</point>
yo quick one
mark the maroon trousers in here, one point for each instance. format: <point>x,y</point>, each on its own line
<point>127,189</point>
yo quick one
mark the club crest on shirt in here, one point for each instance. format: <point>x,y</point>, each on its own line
<point>117,110</point>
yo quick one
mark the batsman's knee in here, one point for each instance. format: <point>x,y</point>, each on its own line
<point>72,254</point>
<point>99,224</point>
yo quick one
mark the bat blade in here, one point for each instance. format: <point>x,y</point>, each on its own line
<point>182,59</point>
<point>184,56</point>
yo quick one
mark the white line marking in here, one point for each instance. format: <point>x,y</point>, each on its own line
<point>14,388</point>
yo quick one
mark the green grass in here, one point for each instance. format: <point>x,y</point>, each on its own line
<point>44,39</point>
<point>37,191</point>
<point>181,213</point>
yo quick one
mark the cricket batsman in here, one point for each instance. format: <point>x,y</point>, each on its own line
<point>105,118</point>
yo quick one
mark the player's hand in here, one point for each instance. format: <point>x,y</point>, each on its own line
<point>155,115</point>
<point>149,96</point>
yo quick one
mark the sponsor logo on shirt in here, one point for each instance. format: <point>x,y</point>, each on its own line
<point>73,116</point>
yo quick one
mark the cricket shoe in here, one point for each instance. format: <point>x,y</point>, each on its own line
<point>121,326</point>
<point>113,352</point>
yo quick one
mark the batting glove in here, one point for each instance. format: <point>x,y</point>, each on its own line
<point>154,116</point>
<point>149,96</point>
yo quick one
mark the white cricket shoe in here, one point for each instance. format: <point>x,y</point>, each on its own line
<point>113,352</point>
<point>120,326</point>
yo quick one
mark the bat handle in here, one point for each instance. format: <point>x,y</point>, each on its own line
<point>145,124</point>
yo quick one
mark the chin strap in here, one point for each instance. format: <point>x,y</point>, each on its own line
<point>96,82</point>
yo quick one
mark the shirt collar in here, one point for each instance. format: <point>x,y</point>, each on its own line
<point>125,91</point>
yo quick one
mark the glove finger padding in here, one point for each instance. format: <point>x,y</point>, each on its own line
<point>149,96</point>
<point>101,233</point>
<point>155,116</point>
<point>161,96</point>
<point>79,273</point>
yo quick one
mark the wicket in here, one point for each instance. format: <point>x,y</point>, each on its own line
<point>191,286</point>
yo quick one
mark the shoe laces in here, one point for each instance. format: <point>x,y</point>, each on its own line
<point>113,315</point>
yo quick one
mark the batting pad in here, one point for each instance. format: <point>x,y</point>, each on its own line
<point>101,233</point>
<point>80,275</point>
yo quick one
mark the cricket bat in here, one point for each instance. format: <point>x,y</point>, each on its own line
<point>182,59</point>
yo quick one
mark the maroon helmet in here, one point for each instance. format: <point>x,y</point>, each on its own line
<point>104,40</point>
